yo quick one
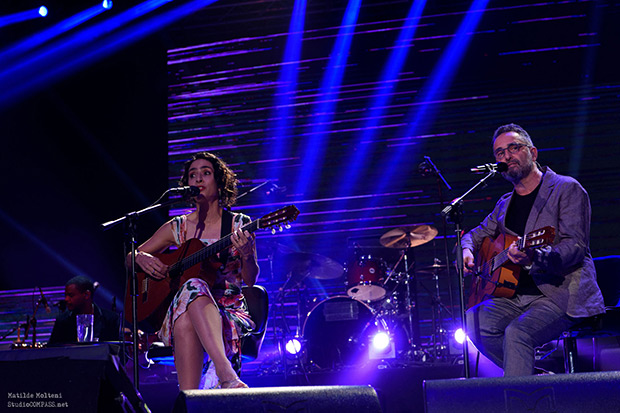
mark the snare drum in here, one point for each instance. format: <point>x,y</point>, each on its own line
<point>337,332</point>
<point>365,278</point>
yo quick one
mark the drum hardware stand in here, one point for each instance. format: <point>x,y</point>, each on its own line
<point>439,333</point>
<point>393,270</point>
<point>408,305</point>
<point>454,212</point>
<point>428,168</point>
<point>286,331</point>
<point>408,302</point>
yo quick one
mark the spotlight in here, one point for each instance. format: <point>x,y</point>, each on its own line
<point>293,346</point>
<point>460,336</point>
<point>381,347</point>
<point>43,11</point>
<point>380,341</point>
<point>107,4</point>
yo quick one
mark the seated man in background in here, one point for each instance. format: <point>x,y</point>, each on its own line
<point>79,292</point>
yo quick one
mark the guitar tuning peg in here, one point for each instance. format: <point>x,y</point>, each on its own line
<point>280,228</point>
<point>287,226</point>
<point>273,231</point>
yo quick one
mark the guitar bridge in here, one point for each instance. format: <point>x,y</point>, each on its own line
<point>507,284</point>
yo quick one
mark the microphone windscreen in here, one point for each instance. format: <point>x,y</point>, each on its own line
<point>193,191</point>
<point>502,167</point>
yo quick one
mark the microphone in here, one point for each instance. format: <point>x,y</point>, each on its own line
<point>425,169</point>
<point>185,191</point>
<point>44,301</point>
<point>490,167</point>
<point>62,305</point>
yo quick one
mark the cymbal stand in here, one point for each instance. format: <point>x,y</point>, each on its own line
<point>408,301</point>
<point>439,334</point>
<point>286,331</point>
<point>428,168</point>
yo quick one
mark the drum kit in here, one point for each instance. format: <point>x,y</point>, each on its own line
<point>336,332</point>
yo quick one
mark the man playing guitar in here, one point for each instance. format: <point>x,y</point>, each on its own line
<point>556,283</point>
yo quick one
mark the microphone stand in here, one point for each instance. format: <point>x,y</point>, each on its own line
<point>130,221</point>
<point>454,213</point>
<point>249,191</point>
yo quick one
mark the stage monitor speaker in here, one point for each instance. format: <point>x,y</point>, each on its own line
<point>579,392</point>
<point>315,399</point>
<point>85,378</point>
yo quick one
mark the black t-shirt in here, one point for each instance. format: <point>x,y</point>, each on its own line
<point>516,218</point>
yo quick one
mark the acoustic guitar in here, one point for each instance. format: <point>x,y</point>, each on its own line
<point>497,276</point>
<point>191,260</point>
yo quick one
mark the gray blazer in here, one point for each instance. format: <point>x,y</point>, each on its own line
<point>564,272</point>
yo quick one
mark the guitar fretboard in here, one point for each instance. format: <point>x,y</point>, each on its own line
<point>210,250</point>
<point>500,259</point>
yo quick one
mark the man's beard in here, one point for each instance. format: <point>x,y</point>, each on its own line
<point>515,175</point>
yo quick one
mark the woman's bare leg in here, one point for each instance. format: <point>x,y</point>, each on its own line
<point>188,353</point>
<point>207,322</point>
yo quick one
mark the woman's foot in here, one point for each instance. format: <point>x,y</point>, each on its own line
<point>234,384</point>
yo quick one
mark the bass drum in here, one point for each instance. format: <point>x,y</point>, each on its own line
<point>337,332</point>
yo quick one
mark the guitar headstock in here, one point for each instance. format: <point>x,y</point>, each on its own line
<point>539,238</point>
<point>282,216</point>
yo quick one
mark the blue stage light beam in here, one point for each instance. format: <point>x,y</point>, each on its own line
<point>37,40</point>
<point>287,84</point>
<point>87,46</point>
<point>328,93</point>
<point>23,16</point>
<point>380,102</point>
<point>435,89</point>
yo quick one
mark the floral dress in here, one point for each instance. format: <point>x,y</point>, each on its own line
<point>225,292</point>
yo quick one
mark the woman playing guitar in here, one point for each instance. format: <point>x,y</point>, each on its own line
<point>207,313</point>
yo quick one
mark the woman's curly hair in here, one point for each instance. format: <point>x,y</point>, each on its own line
<point>225,178</point>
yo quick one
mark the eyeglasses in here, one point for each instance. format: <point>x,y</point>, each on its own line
<point>512,148</point>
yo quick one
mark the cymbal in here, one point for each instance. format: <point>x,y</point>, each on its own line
<point>432,269</point>
<point>306,264</point>
<point>410,236</point>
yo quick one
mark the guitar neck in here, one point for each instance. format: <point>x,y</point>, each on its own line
<point>212,249</point>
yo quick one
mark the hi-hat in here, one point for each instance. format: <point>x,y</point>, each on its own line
<point>411,236</point>
<point>432,269</point>
<point>305,264</point>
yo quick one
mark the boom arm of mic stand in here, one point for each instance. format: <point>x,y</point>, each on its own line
<point>455,213</point>
<point>249,191</point>
<point>438,172</point>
